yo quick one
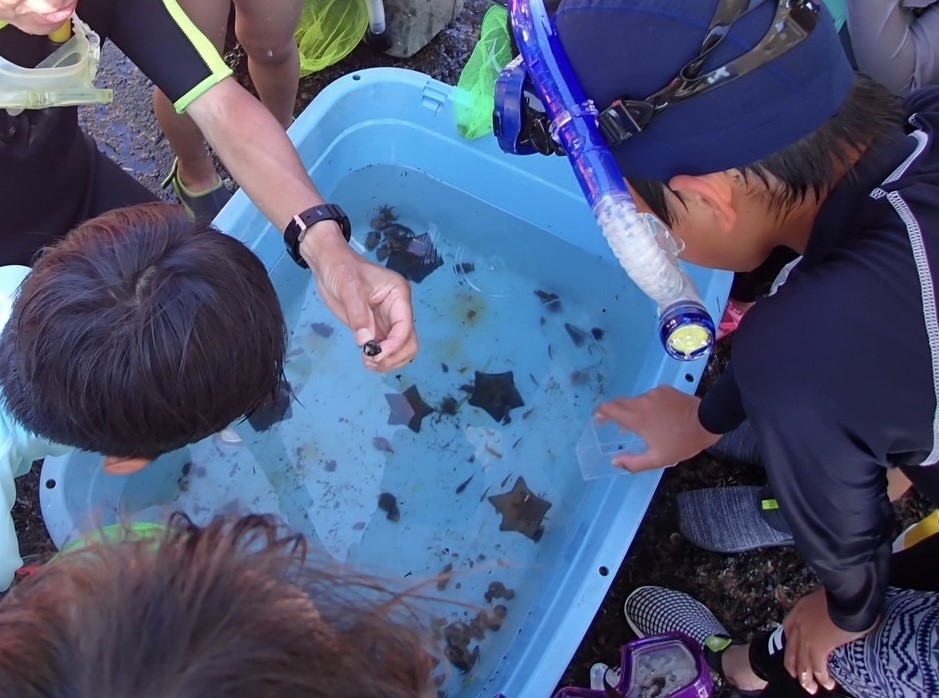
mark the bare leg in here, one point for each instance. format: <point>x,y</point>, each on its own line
<point>735,661</point>
<point>898,484</point>
<point>265,29</point>
<point>196,169</point>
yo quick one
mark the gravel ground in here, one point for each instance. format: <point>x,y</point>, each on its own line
<point>748,592</point>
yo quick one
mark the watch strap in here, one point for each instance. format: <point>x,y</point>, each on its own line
<point>297,228</point>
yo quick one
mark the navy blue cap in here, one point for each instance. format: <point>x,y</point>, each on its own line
<point>636,47</point>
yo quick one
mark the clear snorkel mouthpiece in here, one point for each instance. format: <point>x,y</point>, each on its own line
<point>64,79</point>
<point>642,244</point>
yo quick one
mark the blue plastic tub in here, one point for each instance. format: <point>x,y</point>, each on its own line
<point>511,235</point>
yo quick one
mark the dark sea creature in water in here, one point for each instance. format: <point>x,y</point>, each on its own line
<point>498,590</point>
<point>382,444</point>
<point>323,330</point>
<point>388,503</point>
<point>372,240</point>
<point>274,410</point>
<point>549,299</point>
<point>448,406</point>
<point>458,636</point>
<point>371,348</point>
<point>445,575</point>
<point>497,618</point>
<point>577,335</point>
<point>522,510</point>
<point>415,259</point>
<point>408,408</point>
<point>386,215</point>
<point>496,394</point>
<point>462,485</point>
<point>597,333</point>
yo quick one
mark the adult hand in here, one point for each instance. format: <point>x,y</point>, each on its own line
<point>811,637</point>
<point>374,302</point>
<point>667,420</point>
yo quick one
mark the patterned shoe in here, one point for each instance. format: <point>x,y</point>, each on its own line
<point>657,610</point>
<point>202,206</point>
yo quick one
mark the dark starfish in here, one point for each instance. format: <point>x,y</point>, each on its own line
<point>414,258</point>
<point>408,408</point>
<point>275,409</point>
<point>388,503</point>
<point>496,394</point>
<point>323,330</point>
<point>577,335</point>
<point>522,510</point>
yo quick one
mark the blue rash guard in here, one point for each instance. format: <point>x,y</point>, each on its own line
<point>839,370</point>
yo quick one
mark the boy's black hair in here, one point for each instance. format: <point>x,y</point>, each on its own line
<point>810,165</point>
<point>139,333</point>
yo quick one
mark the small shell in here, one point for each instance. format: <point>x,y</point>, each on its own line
<point>229,436</point>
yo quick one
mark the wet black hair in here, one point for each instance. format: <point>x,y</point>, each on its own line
<point>811,165</point>
<point>139,333</point>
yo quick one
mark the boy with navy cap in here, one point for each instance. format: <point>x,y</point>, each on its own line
<point>769,141</point>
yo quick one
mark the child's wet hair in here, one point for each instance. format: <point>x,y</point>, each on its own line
<point>236,609</point>
<point>811,166</point>
<point>139,333</point>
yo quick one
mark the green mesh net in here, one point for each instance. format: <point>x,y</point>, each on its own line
<point>328,31</point>
<point>475,97</point>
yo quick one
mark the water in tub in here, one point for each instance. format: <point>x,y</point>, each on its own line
<point>463,464</point>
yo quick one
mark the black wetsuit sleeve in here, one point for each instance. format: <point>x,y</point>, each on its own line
<point>831,489</point>
<point>721,410</point>
<point>160,40</point>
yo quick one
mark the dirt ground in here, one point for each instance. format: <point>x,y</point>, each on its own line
<point>748,592</point>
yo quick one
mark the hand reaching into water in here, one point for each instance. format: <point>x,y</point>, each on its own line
<point>667,420</point>
<point>374,302</point>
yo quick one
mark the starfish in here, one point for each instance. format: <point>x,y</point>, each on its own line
<point>496,394</point>
<point>415,259</point>
<point>408,408</point>
<point>275,409</point>
<point>522,510</point>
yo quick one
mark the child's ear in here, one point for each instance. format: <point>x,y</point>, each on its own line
<point>714,193</point>
<point>113,465</point>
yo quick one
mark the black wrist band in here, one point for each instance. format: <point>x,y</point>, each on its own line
<point>297,228</point>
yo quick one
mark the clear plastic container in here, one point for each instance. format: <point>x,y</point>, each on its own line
<point>600,444</point>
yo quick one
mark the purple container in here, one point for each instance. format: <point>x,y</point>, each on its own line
<point>664,666</point>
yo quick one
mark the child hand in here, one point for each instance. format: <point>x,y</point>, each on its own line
<point>811,637</point>
<point>667,420</point>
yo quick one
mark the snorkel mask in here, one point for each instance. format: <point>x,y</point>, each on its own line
<point>540,107</point>
<point>664,666</point>
<point>63,79</point>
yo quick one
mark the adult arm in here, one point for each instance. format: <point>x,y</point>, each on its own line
<point>892,47</point>
<point>158,37</point>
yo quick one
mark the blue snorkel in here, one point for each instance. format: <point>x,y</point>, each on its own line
<point>641,243</point>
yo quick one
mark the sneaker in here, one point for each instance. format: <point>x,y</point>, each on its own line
<point>656,610</point>
<point>925,528</point>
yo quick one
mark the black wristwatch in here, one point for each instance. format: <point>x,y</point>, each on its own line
<point>296,229</point>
